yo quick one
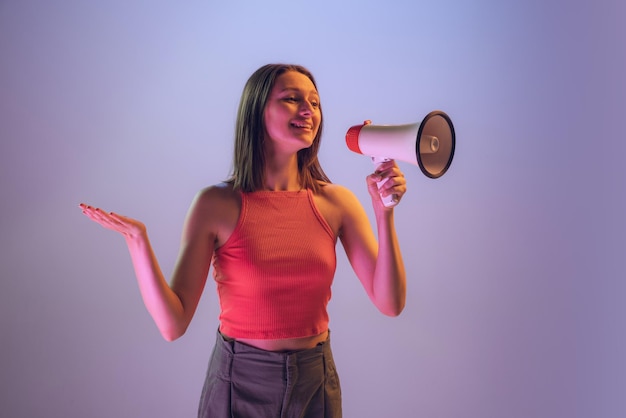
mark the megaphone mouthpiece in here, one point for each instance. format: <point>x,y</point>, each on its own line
<point>352,138</point>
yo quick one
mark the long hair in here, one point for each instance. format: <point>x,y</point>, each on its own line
<point>249,155</point>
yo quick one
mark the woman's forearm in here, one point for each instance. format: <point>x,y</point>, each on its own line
<point>162,303</point>
<point>389,283</point>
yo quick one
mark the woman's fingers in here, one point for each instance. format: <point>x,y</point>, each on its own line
<point>391,178</point>
<point>100,216</point>
<point>122,224</point>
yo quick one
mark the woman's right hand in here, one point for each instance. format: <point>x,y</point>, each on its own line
<point>126,226</point>
<point>171,306</point>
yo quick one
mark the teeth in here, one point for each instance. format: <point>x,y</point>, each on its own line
<point>301,124</point>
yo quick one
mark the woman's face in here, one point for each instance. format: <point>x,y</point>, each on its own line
<point>292,113</point>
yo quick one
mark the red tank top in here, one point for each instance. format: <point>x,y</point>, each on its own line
<point>274,273</point>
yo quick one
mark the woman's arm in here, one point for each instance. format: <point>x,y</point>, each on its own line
<point>171,305</point>
<point>378,265</point>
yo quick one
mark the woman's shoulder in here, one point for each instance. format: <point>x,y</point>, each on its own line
<point>221,192</point>
<point>338,198</point>
<point>219,206</point>
<point>338,205</point>
<point>337,193</point>
<point>218,198</point>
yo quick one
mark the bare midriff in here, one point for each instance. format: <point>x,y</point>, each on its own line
<point>287,344</point>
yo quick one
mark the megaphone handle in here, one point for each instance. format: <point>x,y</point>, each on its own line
<point>391,200</point>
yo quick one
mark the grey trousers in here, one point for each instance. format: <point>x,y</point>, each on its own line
<point>246,382</point>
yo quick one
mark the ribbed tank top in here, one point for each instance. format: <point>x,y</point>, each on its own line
<point>274,273</point>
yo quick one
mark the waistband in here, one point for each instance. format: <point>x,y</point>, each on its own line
<point>232,348</point>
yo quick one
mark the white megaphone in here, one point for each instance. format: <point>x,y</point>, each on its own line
<point>429,145</point>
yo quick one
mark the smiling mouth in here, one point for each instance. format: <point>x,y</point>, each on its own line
<point>302,125</point>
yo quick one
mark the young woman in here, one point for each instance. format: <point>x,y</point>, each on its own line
<point>270,231</point>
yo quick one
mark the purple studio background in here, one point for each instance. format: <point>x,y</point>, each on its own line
<point>515,257</point>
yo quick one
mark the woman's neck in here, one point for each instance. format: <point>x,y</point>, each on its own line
<point>282,174</point>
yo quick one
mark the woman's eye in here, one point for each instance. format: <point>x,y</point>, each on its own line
<point>314,103</point>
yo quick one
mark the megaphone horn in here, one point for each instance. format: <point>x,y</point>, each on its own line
<point>429,144</point>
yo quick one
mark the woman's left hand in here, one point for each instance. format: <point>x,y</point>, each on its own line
<point>393,183</point>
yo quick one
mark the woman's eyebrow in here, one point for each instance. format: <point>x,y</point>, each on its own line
<point>295,89</point>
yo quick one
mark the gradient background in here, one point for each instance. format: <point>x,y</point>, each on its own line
<point>515,257</point>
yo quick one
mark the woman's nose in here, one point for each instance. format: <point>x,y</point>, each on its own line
<point>306,108</point>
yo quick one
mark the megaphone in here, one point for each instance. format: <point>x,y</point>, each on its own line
<point>429,144</point>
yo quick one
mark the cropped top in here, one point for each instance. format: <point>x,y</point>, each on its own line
<point>274,273</point>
